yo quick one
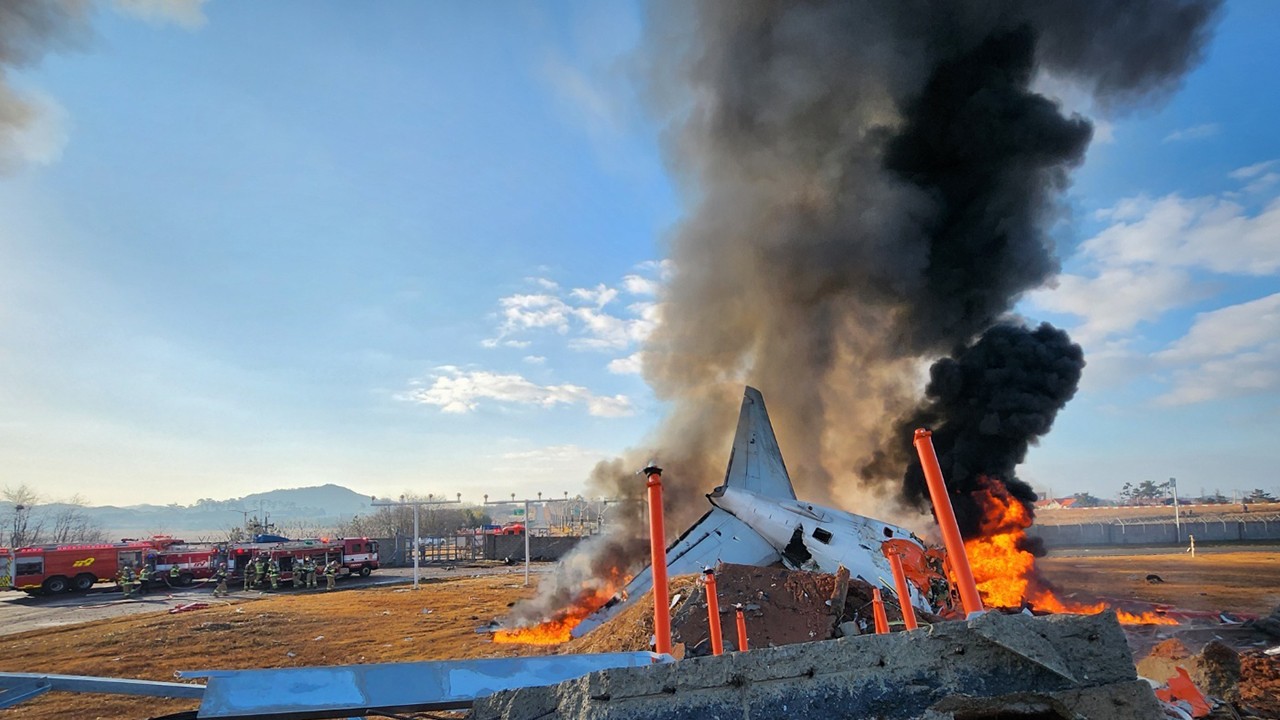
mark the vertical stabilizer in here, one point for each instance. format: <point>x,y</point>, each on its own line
<point>756,462</point>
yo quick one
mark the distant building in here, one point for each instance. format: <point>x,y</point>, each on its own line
<point>1055,503</point>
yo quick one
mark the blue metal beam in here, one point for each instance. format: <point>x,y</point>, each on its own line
<point>344,691</point>
<point>19,687</point>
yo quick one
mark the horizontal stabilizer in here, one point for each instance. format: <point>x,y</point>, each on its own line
<point>717,537</point>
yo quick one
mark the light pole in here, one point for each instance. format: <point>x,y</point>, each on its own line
<point>416,505</point>
<point>526,501</point>
<point>1177,518</point>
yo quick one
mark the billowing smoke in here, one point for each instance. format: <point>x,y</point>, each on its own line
<point>986,405</point>
<point>869,186</point>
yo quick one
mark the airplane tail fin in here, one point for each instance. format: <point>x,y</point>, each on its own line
<point>756,461</point>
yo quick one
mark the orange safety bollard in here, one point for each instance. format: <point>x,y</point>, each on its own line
<point>713,613</point>
<point>877,611</point>
<point>742,629</point>
<point>947,522</point>
<point>658,548</point>
<point>904,593</point>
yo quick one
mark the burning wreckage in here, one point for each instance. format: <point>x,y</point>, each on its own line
<point>757,520</point>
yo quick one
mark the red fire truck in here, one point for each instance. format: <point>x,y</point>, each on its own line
<point>51,569</point>
<point>356,555</point>
<point>56,568</point>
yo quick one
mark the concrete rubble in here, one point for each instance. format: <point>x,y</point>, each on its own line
<point>993,665</point>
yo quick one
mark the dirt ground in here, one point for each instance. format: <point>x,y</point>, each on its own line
<point>439,622</point>
<point>1239,582</point>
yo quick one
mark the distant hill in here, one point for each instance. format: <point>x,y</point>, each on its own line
<point>319,507</point>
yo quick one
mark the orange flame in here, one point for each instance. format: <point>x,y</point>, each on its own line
<point>1006,573</point>
<point>558,628</point>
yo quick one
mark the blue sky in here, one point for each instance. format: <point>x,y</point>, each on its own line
<point>418,247</point>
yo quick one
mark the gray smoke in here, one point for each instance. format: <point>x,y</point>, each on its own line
<point>28,30</point>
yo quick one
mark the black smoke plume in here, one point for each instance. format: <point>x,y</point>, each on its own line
<point>985,406</point>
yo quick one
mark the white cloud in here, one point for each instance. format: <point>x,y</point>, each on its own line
<point>524,312</point>
<point>1156,255</point>
<point>545,283</point>
<point>581,310</point>
<point>1116,299</point>
<point>459,391</point>
<point>186,13</point>
<point>1195,132</point>
<point>599,296</point>
<point>535,359</point>
<point>1228,352</point>
<point>1251,171</point>
<point>1205,232</point>
<point>632,364</point>
<point>1228,330</point>
<point>638,285</point>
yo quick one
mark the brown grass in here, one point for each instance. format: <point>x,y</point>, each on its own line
<point>348,627</point>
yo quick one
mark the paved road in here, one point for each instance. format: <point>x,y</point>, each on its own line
<point>20,612</point>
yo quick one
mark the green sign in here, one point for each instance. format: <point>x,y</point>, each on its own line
<point>518,511</point>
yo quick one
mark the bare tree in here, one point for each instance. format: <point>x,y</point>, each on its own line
<point>25,527</point>
<point>72,524</point>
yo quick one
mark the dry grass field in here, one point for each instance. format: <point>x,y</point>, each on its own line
<point>1238,582</point>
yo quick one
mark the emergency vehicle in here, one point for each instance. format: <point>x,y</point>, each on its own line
<point>194,562</point>
<point>52,569</point>
<point>355,555</point>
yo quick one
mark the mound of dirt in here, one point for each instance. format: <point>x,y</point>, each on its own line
<point>781,607</point>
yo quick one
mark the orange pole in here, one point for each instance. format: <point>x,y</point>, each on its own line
<point>742,630</point>
<point>947,522</point>
<point>658,548</point>
<point>713,614</point>
<point>904,593</point>
<point>877,610</point>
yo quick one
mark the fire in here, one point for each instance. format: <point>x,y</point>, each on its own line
<point>1005,571</point>
<point>558,628</point>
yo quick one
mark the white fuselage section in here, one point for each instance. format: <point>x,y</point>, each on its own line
<point>830,537</point>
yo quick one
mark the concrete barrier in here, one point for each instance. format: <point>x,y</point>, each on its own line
<point>548,549</point>
<point>995,665</point>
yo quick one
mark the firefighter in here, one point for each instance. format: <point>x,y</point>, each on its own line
<point>273,571</point>
<point>144,577</point>
<point>331,575</point>
<point>221,576</point>
<point>299,575</point>
<point>259,570</point>
<point>126,580</point>
<point>309,569</point>
<point>175,577</point>
<point>247,570</point>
